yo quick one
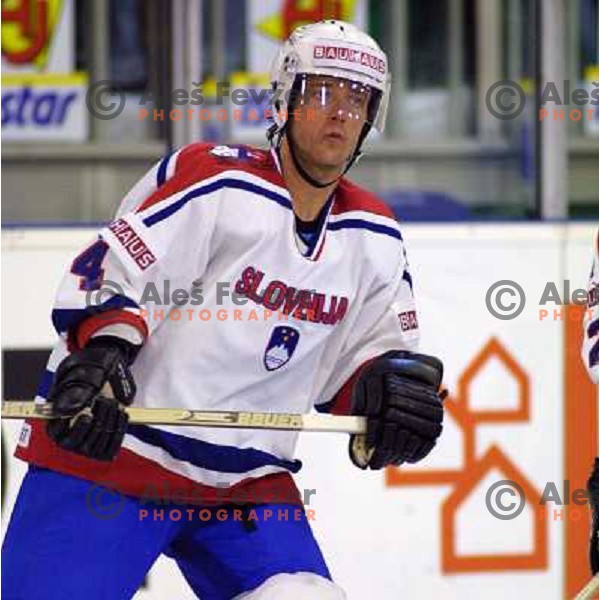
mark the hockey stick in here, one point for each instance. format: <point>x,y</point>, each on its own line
<point>16,409</point>
<point>590,590</point>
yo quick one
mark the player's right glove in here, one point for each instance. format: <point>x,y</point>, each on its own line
<point>399,394</point>
<point>88,393</point>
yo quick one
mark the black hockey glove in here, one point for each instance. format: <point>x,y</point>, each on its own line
<point>89,390</point>
<point>592,486</point>
<point>399,394</point>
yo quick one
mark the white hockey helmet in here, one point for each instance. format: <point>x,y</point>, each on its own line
<point>337,49</point>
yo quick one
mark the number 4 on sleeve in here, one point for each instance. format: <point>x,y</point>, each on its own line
<point>88,265</point>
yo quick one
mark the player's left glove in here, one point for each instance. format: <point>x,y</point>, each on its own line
<point>399,394</point>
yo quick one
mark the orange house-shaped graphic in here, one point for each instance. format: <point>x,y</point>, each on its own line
<point>453,562</point>
<point>461,410</point>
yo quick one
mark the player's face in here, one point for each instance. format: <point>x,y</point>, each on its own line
<point>332,112</point>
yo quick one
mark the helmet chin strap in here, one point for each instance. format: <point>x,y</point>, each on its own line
<point>302,171</point>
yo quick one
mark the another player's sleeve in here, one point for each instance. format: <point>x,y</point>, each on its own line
<point>387,321</point>
<point>589,348</point>
<point>123,281</point>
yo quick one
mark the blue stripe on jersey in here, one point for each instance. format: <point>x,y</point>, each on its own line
<point>227,459</point>
<point>65,318</point>
<point>241,184</point>
<point>161,175</point>
<point>362,224</point>
<point>325,407</point>
<point>45,383</point>
<point>408,278</point>
<point>215,186</point>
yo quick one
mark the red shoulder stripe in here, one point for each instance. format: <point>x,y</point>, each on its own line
<point>350,196</point>
<point>195,163</point>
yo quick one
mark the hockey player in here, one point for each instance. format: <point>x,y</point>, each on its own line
<point>589,355</point>
<point>321,258</point>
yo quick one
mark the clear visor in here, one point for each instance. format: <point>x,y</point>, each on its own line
<point>346,98</point>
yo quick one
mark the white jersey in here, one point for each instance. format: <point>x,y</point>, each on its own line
<point>589,348</point>
<point>204,223</point>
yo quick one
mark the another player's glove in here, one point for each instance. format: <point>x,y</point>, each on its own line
<point>88,393</point>
<point>399,394</point>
